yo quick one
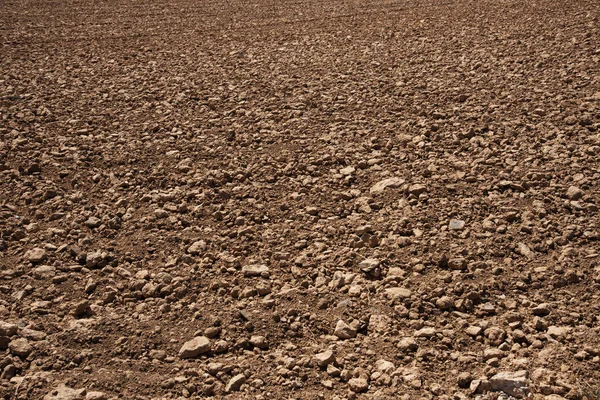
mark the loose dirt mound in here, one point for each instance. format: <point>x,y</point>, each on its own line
<point>314,199</point>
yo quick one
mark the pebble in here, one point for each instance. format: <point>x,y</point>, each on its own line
<point>574,193</point>
<point>197,247</point>
<point>445,303</point>
<point>473,330</point>
<point>195,347</point>
<point>541,310</point>
<point>380,186</point>
<point>427,332</point>
<point>235,383</point>
<point>8,329</point>
<point>93,222</point>
<point>36,255</point>
<point>20,347</point>
<point>456,225</point>
<point>82,309</point>
<point>255,270</point>
<point>358,385</point>
<point>398,293</point>
<point>417,189</point>
<point>344,331</point>
<point>63,392</point>
<point>511,383</point>
<point>259,342</point>
<point>323,359</point>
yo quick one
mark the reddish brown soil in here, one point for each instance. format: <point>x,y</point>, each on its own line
<point>178,169</point>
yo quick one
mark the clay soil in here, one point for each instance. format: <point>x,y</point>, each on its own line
<point>299,199</point>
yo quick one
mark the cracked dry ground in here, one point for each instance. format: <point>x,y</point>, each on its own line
<point>283,199</point>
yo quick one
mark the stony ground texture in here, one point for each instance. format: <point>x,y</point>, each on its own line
<point>299,199</point>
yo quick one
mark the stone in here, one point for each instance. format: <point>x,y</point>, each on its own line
<point>8,329</point>
<point>524,250</point>
<point>417,189</point>
<point>541,310</point>
<point>558,332</point>
<point>456,225</point>
<point>380,186</point>
<point>445,303</point>
<point>44,272</point>
<point>426,332</point>
<point>94,259</point>
<point>197,247</point>
<point>63,392</point>
<point>512,383</point>
<point>344,331</point>
<point>235,383</point>
<point>369,264</point>
<point>408,344</point>
<point>96,396</point>
<point>347,171</point>
<point>398,293</point>
<point>473,330</point>
<point>379,323</point>
<point>195,347</point>
<point>93,222</point>
<point>36,255</point>
<point>82,309</point>
<point>574,193</point>
<point>358,385</point>
<point>323,359</point>
<point>254,270</point>
<point>464,379</point>
<point>259,342</point>
<point>384,366</point>
<point>457,264</point>
<point>20,347</point>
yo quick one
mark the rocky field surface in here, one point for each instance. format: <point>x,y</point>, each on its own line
<point>299,199</point>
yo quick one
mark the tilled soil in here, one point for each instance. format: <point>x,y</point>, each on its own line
<point>299,199</point>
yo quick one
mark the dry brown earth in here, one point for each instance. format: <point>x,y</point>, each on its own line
<point>299,199</point>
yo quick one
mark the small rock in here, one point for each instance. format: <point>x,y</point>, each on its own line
<point>380,186</point>
<point>456,225</point>
<point>358,385</point>
<point>464,379</point>
<point>195,347</point>
<point>8,329</point>
<point>417,189</point>
<point>524,250</point>
<point>82,309</point>
<point>408,344</point>
<point>426,332</point>
<point>96,396</point>
<point>62,392</point>
<point>473,330</point>
<point>259,342</point>
<point>347,171</point>
<point>36,255</point>
<point>235,383</point>
<point>323,359</point>
<point>511,383</point>
<point>197,247</point>
<point>20,347</point>
<point>93,222</point>
<point>574,193</point>
<point>384,366</point>
<point>398,293</point>
<point>457,263</point>
<point>255,270</point>
<point>541,310</point>
<point>558,332</point>
<point>344,331</point>
<point>445,303</point>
